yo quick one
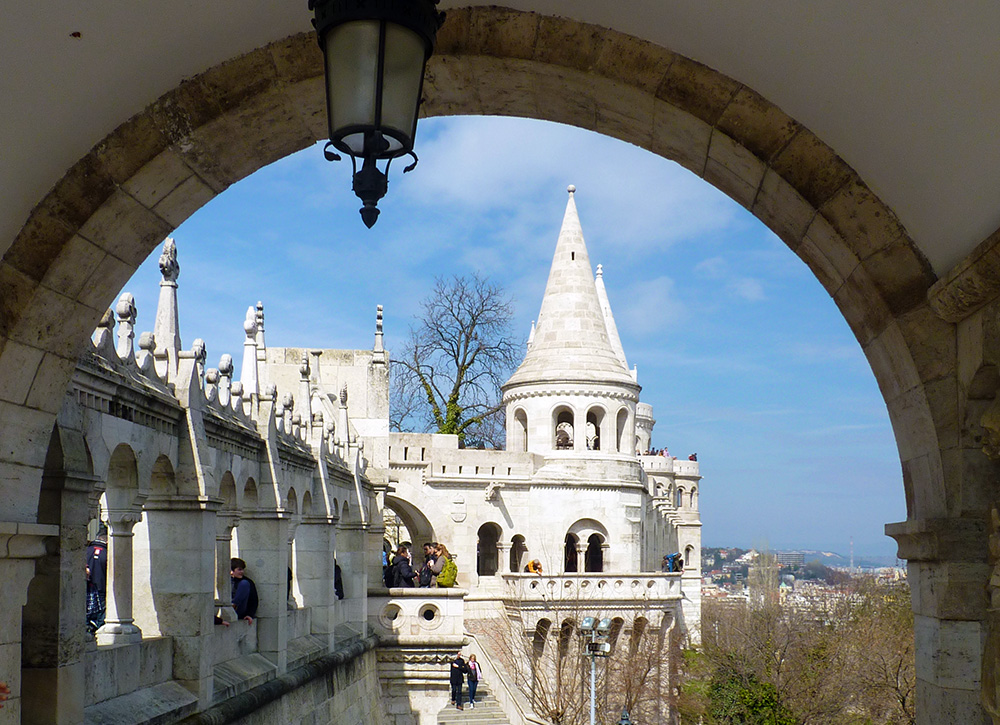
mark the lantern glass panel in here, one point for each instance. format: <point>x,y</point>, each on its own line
<point>404,70</point>
<point>351,80</point>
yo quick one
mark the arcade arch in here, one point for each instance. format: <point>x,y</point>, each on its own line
<point>82,242</point>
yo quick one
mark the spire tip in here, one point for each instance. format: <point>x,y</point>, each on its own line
<point>571,188</point>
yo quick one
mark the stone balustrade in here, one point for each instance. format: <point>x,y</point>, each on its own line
<point>593,587</point>
<point>418,615</point>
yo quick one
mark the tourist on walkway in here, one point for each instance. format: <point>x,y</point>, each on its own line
<point>427,573</point>
<point>459,669</point>
<point>446,567</point>
<point>244,591</point>
<point>97,579</point>
<point>475,675</point>
<point>4,692</point>
<point>402,573</point>
<point>534,567</point>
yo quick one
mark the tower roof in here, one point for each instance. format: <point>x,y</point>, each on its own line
<point>571,341</point>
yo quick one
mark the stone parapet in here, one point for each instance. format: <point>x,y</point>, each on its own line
<point>590,590</point>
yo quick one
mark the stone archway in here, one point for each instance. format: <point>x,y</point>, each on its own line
<point>85,238</point>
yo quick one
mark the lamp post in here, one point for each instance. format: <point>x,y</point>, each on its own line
<point>597,646</point>
<point>374,55</point>
<point>626,720</point>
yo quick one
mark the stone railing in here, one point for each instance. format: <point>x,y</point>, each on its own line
<point>592,587</point>
<point>417,615</point>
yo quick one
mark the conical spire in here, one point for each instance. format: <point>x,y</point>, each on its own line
<point>571,341</point>
<point>609,319</point>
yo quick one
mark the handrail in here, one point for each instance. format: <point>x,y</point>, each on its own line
<point>513,702</point>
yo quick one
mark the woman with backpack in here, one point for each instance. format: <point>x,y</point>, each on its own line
<point>448,568</point>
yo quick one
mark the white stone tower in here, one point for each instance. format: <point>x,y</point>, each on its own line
<point>573,395</point>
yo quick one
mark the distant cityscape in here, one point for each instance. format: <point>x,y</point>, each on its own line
<point>727,571</point>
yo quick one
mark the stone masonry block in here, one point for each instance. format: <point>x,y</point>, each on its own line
<point>157,179</point>
<point>125,228</point>
<point>948,652</point>
<point>297,58</point>
<point>633,61</point>
<point>902,275</point>
<point>933,343</point>
<point>270,127</point>
<point>184,201</point>
<point>185,108</point>
<point>238,81</point>
<point>567,43</point>
<point>862,307</point>
<point>624,112</point>
<point>130,147</point>
<point>18,365</point>
<point>733,169</point>
<point>564,95</point>
<point>55,323</point>
<point>51,380</point>
<point>758,124</point>
<point>40,240</point>
<point>923,484</point>
<point>811,167</point>
<point>69,270</point>
<point>913,426</point>
<point>217,153</point>
<point>104,284</point>
<point>22,481</point>
<point>501,33</point>
<point>698,89</point>
<point>783,209</point>
<point>942,395</point>
<point>890,360</point>
<point>866,224</point>
<point>450,86</point>
<point>79,193</point>
<point>827,255</point>
<point>308,97</point>
<point>453,36</point>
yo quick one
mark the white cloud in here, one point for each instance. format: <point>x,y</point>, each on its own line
<point>747,288</point>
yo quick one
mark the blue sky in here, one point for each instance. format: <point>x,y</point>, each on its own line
<point>741,352</point>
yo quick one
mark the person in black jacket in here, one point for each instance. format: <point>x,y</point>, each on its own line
<point>97,579</point>
<point>402,573</point>
<point>459,669</point>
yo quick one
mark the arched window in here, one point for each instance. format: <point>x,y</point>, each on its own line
<point>621,427</point>
<point>694,499</point>
<point>595,423</point>
<point>487,559</point>
<point>688,554</point>
<point>518,551</point>
<point>539,637</point>
<point>679,501</point>
<point>638,629</point>
<point>594,558</point>
<point>519,432</point>
<point>570,563</point>
<point>563,431</point>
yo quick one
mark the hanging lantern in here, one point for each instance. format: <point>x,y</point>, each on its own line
<point>375,52</point>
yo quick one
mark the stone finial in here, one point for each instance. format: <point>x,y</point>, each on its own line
<point>211,384</point>
<point>304,369</point>
<point>169,267</point>
<point>126,325</point>
<point>260,316</point>
<point>225,378</point>
<point>343,396</point>
<point>600,270</point>
<point>237,389</point>
<point>379,348</point>
<point>200,356</point>
<point>271,392</point>
<point>571,189</point>
<point>147,343</point>
<point>250,324</point>
<point>104,334</point>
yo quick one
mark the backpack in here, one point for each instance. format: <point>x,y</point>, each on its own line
<point>252,600</point>
<point>426,575</point>
<point>449,573</point>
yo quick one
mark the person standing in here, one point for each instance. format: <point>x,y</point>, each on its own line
<point>459,670</point>
<point>244,591</point>
<point>475,675</point>
<point>97,580</point>
<point>402,573</point>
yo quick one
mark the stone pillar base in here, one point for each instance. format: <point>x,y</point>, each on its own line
<point>114,633</point>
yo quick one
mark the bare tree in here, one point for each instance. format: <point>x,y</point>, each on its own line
<point>549,665</point>
<point>447,376</point>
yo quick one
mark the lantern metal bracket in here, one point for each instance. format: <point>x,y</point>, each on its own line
<point>329,153</point>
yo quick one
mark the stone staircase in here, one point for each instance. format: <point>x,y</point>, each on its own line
<point>486,712</point>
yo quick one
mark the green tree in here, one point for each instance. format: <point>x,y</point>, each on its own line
<point>459,352</point>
